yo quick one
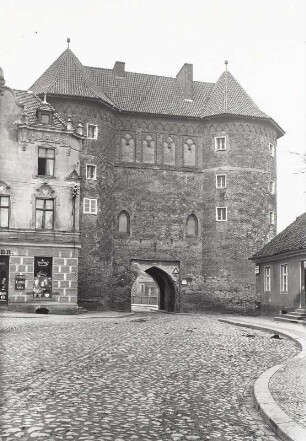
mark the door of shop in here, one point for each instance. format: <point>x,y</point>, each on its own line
<point>4,279</point>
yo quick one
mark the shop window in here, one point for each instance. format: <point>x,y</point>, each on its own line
<point>284,278</point>
<point>44,214</point>
<point>220,181</point>
<point>221,214</point>
<point>192,225</point>
<point>267,279</point>
<point>4,211</point>
<point>92,131</point>
<point>220,142</point>
<point>91,171</point>
<point>46,159</point>
<point>42,277</point>
<point>124,222</point>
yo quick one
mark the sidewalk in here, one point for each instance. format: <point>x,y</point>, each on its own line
<point>280,392</point>
<point>87,315</point>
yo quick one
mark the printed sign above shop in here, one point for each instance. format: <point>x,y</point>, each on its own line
<point>19,282</point>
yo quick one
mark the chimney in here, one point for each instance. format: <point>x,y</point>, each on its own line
<point>119,69</point>
<point>185,79</point>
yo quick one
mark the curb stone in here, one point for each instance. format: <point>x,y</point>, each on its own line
<point>281,423</point>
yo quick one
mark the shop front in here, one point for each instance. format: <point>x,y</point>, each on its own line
<point>45,277</point>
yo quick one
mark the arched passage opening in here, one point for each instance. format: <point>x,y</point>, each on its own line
<point>154,289</point>
<point>166,286</point>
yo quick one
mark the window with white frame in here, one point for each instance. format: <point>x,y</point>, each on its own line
<point>92,131</point>
<point>271,149</point>
<point>91,171</point>
<point>220,181</point>
<point>267,279</point>
<point>272,217</point>
<point>284,278</point>
<point>46,159</point>
<point>271,187</point>
<point>221,214</point>
<point>90,206</point>
<point>4,211</point>
<point>220,142</point>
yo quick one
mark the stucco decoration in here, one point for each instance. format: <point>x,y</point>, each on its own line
<point>45,191</point>
<point>4,188</point>
<point>73,176</point>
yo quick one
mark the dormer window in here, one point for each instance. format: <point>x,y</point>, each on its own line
<point>45,113</point>
<point>45,118</point>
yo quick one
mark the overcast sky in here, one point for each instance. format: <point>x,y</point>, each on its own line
<point>263,40</point>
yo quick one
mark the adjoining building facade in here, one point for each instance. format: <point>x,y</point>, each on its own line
<point>39,205</point>
<point>281,269</point>
<point>178,180</point>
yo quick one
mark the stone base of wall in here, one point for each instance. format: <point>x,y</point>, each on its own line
<point>48,307</point>
<point>223,302</point>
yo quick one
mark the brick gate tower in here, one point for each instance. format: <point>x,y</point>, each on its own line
<point>178,180</point>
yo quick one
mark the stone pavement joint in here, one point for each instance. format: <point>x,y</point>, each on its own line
<point>287,428</point>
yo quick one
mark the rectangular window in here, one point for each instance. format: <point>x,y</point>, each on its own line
<point>271,149</point>
<point>220,143</point>
<point>46,161</point>
<point>271,217</point>
<point>91,171</point>
<point>90,206</point>
<point>284,278</point>
<point>267,281</point>
<point>44,214</point>
<point>271,186</point>
<point>220,181</point>
<point>42,277</point>
<point>45,118</point>
<point>221,213</point>
<point>92,131</point>
<point>4,211</point>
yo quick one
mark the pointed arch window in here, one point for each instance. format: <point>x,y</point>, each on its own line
<point>124,222</point>
<point>192,225</point>
<point>127,148</point>
<point>148,150</point>
<point>169,151</point>
<point>189,153</point>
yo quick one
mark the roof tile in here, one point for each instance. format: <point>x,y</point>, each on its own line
<point>291,238</point>
<point>136,92</point>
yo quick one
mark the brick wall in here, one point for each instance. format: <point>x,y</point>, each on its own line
<point>159,191</point>
<point>95,262</point>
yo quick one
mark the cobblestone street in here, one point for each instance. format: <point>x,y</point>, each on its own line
<point>143,377</point>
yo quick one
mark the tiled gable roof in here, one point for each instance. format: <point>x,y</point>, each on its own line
<point>291,238</point>
<point>31,103</point>
<point>155,94</point>
<point>228,97</point>
<point>67,76</point>
<point>142,93</point>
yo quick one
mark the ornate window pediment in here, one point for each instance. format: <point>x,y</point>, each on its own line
<point>4,188</point>
<point>45,191</point>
